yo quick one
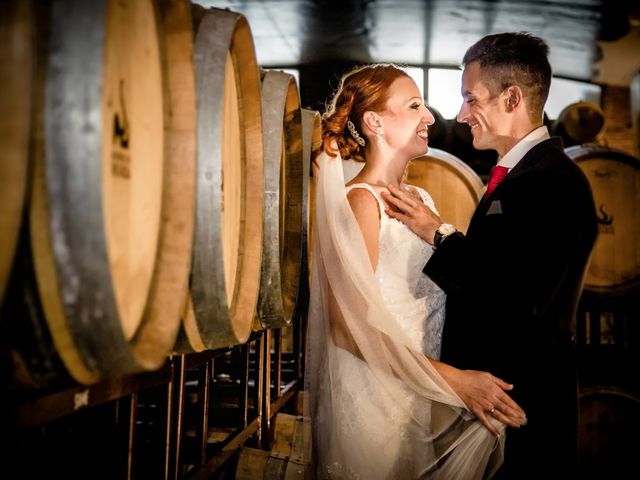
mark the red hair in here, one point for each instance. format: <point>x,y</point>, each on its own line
<point>365,88</point>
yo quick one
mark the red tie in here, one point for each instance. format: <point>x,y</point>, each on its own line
<point>497,175</point>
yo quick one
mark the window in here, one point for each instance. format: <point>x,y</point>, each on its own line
<point>444,90</point>
<point>417,73</point>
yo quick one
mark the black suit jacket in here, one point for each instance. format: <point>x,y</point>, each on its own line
<point>513,284</point>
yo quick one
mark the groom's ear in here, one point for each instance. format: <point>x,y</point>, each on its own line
<point>513,98</point>
<point>372,121</point>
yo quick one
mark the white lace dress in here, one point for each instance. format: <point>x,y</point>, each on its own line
<point>413,299</point>
<point>374,433</point>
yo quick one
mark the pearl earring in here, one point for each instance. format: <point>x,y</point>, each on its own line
<point>380,137</point>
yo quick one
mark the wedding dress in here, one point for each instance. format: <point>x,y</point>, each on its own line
<point>378,407</point>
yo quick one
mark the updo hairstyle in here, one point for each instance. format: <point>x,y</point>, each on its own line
<point>365,88</point>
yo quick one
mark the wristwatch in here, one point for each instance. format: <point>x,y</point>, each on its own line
<point>443,232</point>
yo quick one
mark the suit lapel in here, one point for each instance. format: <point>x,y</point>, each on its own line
<point>531,160</point>
<point>534,158</point>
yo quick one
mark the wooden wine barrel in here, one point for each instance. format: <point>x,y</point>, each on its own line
<point>634,91</point>
<point>310,122</point>
<point>287,459</point>
<point>170,287</point>
<point>283,204</point>
<point>225,275</point>
<point>16,78</point>
<point>311,144</point>
<point>455,188</point>
<point>113,191</point>
<point>580,122</point>
<point>607,431</point>
<point>614,177</point>
<point>34,360</point>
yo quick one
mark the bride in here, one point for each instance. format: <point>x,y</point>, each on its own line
<point>382,406</point>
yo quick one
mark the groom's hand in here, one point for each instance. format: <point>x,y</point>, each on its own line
<point>484,395</point>
<point>404,206</point>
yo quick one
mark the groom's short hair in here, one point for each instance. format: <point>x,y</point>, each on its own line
<point>511,58</point>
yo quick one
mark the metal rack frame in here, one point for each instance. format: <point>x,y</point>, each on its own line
<point>263,398</point>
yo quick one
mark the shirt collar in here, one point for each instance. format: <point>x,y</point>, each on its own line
<point>521,148</point>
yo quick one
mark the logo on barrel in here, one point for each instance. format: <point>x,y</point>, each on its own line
<point>605,222</point>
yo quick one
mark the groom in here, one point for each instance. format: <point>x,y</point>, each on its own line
<point>514,280</point>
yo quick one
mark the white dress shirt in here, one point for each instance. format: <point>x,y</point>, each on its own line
<point>521,148</point>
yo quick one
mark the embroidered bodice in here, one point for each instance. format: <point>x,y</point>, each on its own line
<point>413,299</point>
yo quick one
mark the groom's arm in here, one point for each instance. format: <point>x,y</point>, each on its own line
<point>449,264</point>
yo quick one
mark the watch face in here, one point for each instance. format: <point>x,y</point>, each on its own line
<point>446,229</point>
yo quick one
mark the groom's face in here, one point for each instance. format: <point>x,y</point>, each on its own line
<point>485,114</point>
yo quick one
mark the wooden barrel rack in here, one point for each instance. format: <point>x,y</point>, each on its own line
<point>189,419</point>
<point>159,375</point>
<point>156,237</point>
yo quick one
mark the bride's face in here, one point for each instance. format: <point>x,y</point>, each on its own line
<point>406,120</point>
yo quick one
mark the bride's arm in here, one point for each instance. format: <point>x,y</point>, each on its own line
<point>365,209</point>
<point>481,392</point>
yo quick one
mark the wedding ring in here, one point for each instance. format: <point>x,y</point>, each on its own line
<point>493,409</point>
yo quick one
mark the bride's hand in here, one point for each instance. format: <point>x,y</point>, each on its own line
<point>486,395</point>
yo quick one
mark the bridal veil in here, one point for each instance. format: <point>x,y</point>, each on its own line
<point>376,405</point>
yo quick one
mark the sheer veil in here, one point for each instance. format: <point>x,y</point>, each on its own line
<point>350,325</point>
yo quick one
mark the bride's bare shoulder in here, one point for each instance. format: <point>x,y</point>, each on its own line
<point>363,203</point>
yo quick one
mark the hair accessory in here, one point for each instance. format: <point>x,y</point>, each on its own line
<point>354,133</point>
